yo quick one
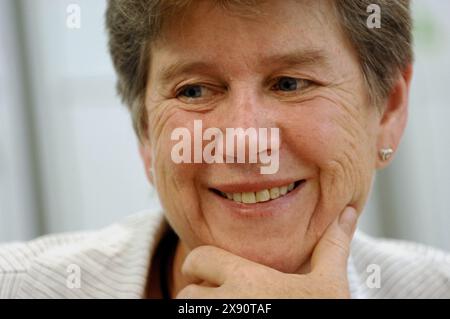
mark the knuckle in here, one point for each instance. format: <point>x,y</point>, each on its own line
<point>251,276</point>
<point>337,243</point>
<point>242,270</point>
<point>330,286</point>
<point>198,253</point>
<point>188,292</point>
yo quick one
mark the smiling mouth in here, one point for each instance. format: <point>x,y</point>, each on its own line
<point>260,196</point>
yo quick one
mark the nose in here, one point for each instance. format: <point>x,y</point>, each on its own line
<point>246,108</point>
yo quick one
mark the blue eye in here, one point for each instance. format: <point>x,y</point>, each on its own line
<point>287,84</point>
<point>191,92</point>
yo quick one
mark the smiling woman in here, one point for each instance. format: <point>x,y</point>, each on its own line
<point>337,93</point>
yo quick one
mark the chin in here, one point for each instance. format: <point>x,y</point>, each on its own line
<point>284,258</point>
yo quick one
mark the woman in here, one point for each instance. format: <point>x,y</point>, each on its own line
<point>329,78</point>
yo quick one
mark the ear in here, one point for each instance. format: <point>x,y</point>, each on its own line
<point>394,116</point>
<point>145,151</point>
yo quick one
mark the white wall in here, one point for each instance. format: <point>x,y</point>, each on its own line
<point>18,213</point>
<point>89,169</point>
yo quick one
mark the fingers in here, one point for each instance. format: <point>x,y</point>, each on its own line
<point>332,251</point>
<point>197,292</point>
<point>347,222</point>
<point>211,264</point>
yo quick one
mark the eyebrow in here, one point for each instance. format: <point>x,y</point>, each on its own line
<point>308,57</point>
<point>179,68</point>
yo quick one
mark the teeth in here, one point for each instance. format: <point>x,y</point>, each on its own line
<point>261,196</point>
<point>248,198</point>
<point>274,193</point>
<point>237,197</point>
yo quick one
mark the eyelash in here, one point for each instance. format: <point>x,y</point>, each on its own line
<point>307,84</point>
<point>180,91</point>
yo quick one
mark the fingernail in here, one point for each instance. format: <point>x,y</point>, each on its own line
<point>348,219</point>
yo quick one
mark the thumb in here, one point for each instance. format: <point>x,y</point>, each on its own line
<point>332,251</point>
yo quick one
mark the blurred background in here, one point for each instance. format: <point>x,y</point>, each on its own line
<point>69,158</point>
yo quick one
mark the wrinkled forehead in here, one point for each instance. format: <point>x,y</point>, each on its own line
<point>293,30</point>
<point>259,24</point>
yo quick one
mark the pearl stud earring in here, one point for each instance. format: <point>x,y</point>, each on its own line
<point>386,153</point>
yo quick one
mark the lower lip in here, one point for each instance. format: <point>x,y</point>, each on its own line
<point>270,208</point>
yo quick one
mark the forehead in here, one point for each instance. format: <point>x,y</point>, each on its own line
<point>207,32</point>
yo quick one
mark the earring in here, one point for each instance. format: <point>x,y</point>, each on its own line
<point>386,153</point>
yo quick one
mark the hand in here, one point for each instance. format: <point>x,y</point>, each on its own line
<point>221,274</point>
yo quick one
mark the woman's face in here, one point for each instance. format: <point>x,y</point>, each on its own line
<point>289,67</point>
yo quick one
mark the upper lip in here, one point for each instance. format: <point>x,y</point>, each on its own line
<point>252,186</point>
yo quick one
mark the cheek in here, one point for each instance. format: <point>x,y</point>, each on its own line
<point>163,120</point>
<point>339,144</point>
<point>178,185</point>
